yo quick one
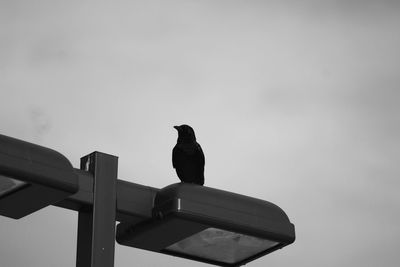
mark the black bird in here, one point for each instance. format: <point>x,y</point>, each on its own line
<point>188,157</point>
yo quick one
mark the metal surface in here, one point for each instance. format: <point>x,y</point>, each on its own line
<point>134,201</point>
<point>213,206</point>
<point>96,225</point>
<point>46,177</point>
<point>36,164</point>
<point>182,211</point>
<point>9,185</point>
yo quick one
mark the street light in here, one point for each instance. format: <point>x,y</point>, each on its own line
<point>32,177</point>
<point>209,225</point>
<point>184,220</point>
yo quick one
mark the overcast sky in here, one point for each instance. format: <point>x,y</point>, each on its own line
<point>293,102</point>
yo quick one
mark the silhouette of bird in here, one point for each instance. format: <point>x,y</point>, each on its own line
<point>188,157</point>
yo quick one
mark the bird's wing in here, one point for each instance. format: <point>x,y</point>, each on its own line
<point>201,155</point>
<point>176,155</point>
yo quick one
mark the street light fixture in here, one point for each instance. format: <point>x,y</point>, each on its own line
<point>32,177</point>
<point>210,225</point>
<point>184,220</point>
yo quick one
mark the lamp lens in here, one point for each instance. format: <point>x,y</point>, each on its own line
<point>220,245</point>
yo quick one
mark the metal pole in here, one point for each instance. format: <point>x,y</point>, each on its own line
<point>96,224</point>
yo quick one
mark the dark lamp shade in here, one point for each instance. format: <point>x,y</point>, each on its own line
<point>209,225</point>
<point>32,177</point>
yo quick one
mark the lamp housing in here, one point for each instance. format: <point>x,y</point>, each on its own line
<point>209,225</point>
<point>32,177</point>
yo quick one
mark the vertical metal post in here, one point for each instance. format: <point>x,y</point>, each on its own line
<point>96,225</point>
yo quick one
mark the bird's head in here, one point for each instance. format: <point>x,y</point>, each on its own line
<point>185,133</point>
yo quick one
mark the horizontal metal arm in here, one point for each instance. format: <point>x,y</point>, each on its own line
<point>134,201</point>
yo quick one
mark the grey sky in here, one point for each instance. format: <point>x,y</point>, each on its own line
<point>294,102</point>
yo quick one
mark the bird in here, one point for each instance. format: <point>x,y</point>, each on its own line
<point>188,157</point>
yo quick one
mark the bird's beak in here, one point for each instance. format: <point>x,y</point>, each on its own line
<point>177,128</point>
